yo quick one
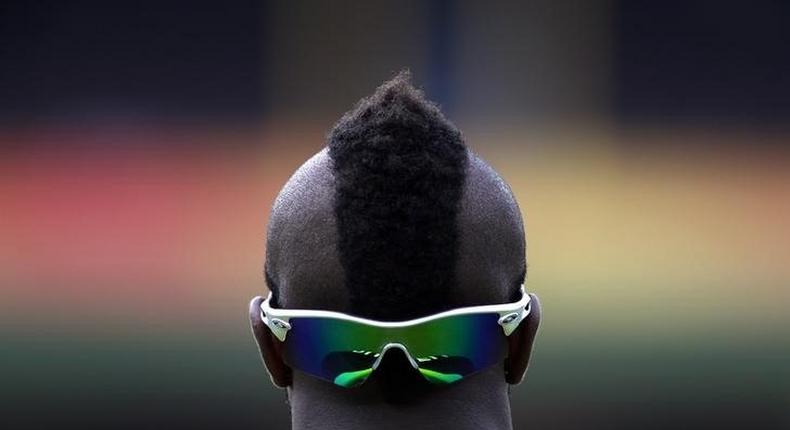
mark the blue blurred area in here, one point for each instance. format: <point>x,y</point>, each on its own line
<point>99,60</point>
<point>685,62</point>
<point>702,61</point>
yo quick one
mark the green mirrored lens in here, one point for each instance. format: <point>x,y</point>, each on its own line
<point>350,379</point>
<point>339,351</point>
<point>438,377</point>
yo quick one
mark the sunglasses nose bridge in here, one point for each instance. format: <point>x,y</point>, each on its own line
<point>400,346</point>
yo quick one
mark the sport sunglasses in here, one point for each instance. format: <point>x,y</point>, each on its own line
<point>444,347</point>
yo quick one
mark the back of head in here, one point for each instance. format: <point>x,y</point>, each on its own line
<point>395,219</point>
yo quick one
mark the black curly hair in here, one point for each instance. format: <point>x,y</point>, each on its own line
<point>399,169</point>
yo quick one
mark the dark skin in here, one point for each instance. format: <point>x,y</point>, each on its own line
<point>302,257</point>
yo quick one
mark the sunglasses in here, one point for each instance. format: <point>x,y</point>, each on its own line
<point>444,348</point>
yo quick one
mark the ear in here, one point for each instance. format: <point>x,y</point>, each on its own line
<point>270,347</point>
<point>520,344</point>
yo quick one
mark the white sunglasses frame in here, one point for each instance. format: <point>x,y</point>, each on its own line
<point>510,316</point>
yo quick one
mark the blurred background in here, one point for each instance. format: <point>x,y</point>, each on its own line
<point>143,142</point>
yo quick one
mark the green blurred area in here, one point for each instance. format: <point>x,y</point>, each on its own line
<point>609,379</point>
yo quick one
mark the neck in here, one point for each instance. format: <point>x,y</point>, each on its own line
<point>479,402</point>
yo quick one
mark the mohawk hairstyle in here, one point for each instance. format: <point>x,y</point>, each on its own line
<point>399,170</point>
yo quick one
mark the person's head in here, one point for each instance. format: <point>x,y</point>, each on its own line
<point>395,219</point>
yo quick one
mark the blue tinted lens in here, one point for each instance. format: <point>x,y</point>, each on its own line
<point>445,350</point>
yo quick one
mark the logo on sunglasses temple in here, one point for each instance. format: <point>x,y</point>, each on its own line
<point>277,326</point>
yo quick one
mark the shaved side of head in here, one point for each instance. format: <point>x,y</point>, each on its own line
<point>302,266</point>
